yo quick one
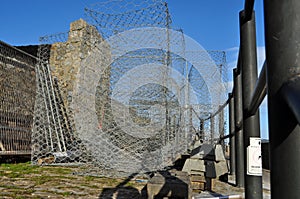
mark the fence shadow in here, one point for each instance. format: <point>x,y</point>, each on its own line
<point>162,184</point>
<point>123,191</point>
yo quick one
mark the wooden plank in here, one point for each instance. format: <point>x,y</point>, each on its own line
<point>15,152</point>
<point>2,147</point>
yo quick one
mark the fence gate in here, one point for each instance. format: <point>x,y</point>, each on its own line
<point>17,95</point>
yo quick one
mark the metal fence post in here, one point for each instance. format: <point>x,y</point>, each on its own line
<point>251,130</point>
<point>238,118</point>
<point>231,133</point>
<point>202,136</point>
<point>221,127</point>
<point>212,130</point>
<point>282,36</point>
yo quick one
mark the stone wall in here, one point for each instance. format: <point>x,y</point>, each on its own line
<point>67,59</point>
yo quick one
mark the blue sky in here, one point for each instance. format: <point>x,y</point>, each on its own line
<point>212,23</point>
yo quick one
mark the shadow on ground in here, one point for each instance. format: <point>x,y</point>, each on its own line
<point>166,188</point>
<point>123,191</point>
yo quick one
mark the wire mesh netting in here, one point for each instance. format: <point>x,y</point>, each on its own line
<point>125,92</point>
<point>17,94</point>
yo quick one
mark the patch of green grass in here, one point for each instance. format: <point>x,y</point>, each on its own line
<point>39,180</point>
<point>22,192</point>
<point>59,170</point>
<point>89,178</point>
<point>17,170</point>
<point>93,186</point>
<point>67,193</point>
<point>18,167</point>
<point>112,182</point>
<point>20,197</point>
<point>18,191</point>
<point>63,177</point>
<point>51,176</point>
<point>21,169</point>
<point>9,186</point>
<point>131,184</point>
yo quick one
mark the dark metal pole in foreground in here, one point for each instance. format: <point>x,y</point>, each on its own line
<point>232,134</point>
<point>251,130</point>
<point>238,118</point>
<point>282,35</point>
<point>291,94</point>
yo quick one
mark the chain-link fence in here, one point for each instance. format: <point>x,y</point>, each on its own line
<point>17,95</point>
<point>125,91</point>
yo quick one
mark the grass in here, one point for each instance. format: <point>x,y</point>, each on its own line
<point>20,170</point>
<point>89,178</point>
<point>39,180</point>
<point>67,193</point>
<point>17,170</point>
<point>23,180</point>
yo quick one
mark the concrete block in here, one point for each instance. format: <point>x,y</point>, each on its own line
<point>197,178</point>
<point>198,182</point>
<point>204,151</point>
<point>221,168</point>
<point>219,153</point>
<point>161,185</point>
<point>215,169</point>
<point>198,185</point>
<point>194,166</point>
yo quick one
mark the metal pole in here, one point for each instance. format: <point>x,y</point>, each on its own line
<point>231,133</point>
<point>253,171</point>
<point>202,136</point>
<point>212,130</point>
<point>221,128</point>
<point>191,119</point>
<point>291,94</point>
<point>239,138</point>
<point>260,91</point>
<point>282,32</point>
<point>251,130</point>
<point>249,4</point>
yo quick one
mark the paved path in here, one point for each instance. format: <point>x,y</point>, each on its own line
<point>223,190</point>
